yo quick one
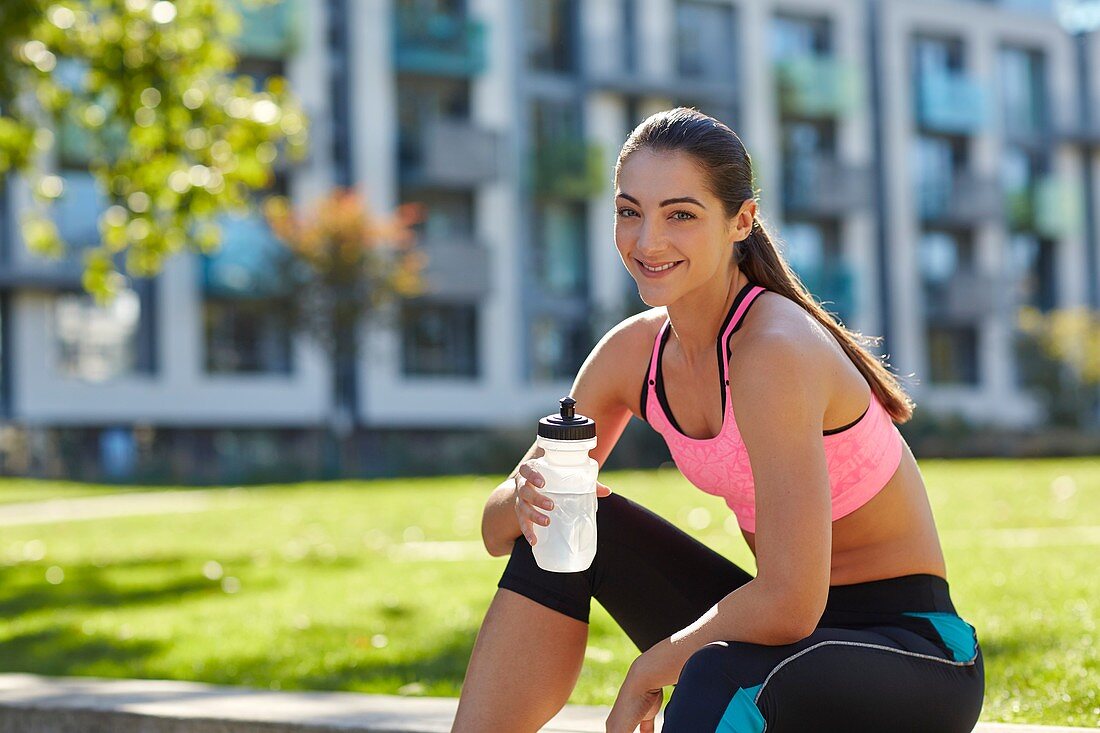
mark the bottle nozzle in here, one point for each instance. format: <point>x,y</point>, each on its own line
<point>568,408</point>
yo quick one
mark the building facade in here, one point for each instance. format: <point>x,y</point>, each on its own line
<point>928,167</point>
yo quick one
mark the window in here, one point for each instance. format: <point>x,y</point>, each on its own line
<point>101,342</point>
<point>629,32</point>
<point>559,347</point>
<point>561,247</point>
<point>953,355</point>
<point>439,340</point>
<point>1023,92</point>
<point>246,337</point>
<point>808,147</point>
<point>936,56</point>
<point>704,49</point>
<point>1034,268</point>
<point>796,37</point>
<point>550,34</point>
<point>422,101</point>
<point>939,161</point>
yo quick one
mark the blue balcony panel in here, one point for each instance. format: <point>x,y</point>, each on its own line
<point>951,103</point>
<point>247,264</point>
<point>442,44</point>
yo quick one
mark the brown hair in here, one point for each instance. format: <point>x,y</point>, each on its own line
<point>728,170</point>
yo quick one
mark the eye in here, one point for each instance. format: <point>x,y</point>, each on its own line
<point>624,212</point>
<point>687,214</point>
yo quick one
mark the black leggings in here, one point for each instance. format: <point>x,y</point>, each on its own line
<point>888,655</point>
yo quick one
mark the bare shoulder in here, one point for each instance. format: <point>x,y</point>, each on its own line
<point>618,362</point>
<point>777,332</point>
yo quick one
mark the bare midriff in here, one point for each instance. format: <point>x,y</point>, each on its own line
<point>891,535</point>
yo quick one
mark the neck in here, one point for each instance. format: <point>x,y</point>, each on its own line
<point>696,317</point>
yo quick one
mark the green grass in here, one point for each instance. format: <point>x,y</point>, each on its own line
<point>19,490</point>
<point>316,588</point>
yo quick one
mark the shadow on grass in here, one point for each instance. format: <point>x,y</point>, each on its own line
<point>65,650</point>
<point>89,586</point>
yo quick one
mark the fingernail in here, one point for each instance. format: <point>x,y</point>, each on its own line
<point>548,504</point>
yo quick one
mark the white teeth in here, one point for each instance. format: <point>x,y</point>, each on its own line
<point>659,269</point>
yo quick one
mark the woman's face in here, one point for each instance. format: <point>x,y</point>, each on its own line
<point>667,220</point>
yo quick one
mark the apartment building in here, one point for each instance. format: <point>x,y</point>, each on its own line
<point>928,167</point>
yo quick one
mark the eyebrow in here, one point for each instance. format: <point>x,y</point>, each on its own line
<point>667,202</point>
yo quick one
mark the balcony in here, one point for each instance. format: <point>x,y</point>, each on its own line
<point>450,153</point>
<point>834,285</point>
<point>825,186</point>
<point>817,86</point>
<point>1053,208</point>
<point>965,200</point>
<point>951,103</point>
<point>963,299</point>
<point>456,270</point>
<point>569,169</point>
<point>441,44</point>
<point>268,31</point>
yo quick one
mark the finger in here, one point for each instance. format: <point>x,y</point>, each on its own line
<point>532,475</point>
<point>534,516</point>
<point>534,498</point>
<point>602,490</point>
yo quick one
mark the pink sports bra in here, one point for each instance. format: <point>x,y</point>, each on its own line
<point>861,456</point>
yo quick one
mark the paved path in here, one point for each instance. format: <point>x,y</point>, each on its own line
<point>117,505</point>
<point>34,704</point>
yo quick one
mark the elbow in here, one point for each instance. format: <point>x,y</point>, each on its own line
<point>493,545</point>
<point>798,616</point>
<point>795,631</point>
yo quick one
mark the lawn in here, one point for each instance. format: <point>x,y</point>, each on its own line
<point>380,587</point>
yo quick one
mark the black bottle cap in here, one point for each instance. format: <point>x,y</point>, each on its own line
<point>567,425</point>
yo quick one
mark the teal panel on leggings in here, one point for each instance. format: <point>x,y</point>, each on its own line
<point>742,715</point>
<point>956,633</point>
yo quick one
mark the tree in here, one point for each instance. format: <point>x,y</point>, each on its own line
<point>146,89</point>
<point>345,266</point>
<point>1062,356</point>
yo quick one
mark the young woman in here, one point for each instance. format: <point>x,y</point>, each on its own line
<point>848,625</point>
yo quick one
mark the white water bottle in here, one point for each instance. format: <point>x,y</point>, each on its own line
<point>568,544</point>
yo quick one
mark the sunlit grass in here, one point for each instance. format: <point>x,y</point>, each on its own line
<point>348,585</point>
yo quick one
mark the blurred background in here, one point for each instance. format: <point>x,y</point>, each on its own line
<point>930,169</point>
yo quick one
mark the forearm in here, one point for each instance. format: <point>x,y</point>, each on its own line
<point>499,525</point>
<point>753,613</point>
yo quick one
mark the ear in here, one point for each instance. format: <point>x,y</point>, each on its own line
<point>741,224</point>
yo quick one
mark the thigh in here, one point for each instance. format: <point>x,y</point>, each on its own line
<point>652,577</point>
<point>855,681</point>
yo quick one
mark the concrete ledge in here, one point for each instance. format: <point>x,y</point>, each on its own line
<point>34,704</point>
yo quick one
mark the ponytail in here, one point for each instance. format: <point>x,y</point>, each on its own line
<point>759,258</point>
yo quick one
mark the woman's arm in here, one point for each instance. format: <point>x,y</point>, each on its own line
<point>602,394</point>
<point>779,398</point>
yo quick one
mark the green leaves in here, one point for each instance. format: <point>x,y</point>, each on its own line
<point>142,93</point>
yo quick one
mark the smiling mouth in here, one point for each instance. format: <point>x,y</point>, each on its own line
<point>662,268</point>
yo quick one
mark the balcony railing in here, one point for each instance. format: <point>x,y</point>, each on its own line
<point>951,102</point>
<point>444,44</point>
<point>268,31</point>
<point>817,86</point>
<point>963,200</point>
<point>569,169</point>
<point>456,270</point>
<point>824,185</point>
<point>833,284</point>
<point>964,298</point>
<point>450,152</point>
<point>1052,208</point>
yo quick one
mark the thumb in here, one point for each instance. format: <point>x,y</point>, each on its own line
<point>602,490</point>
